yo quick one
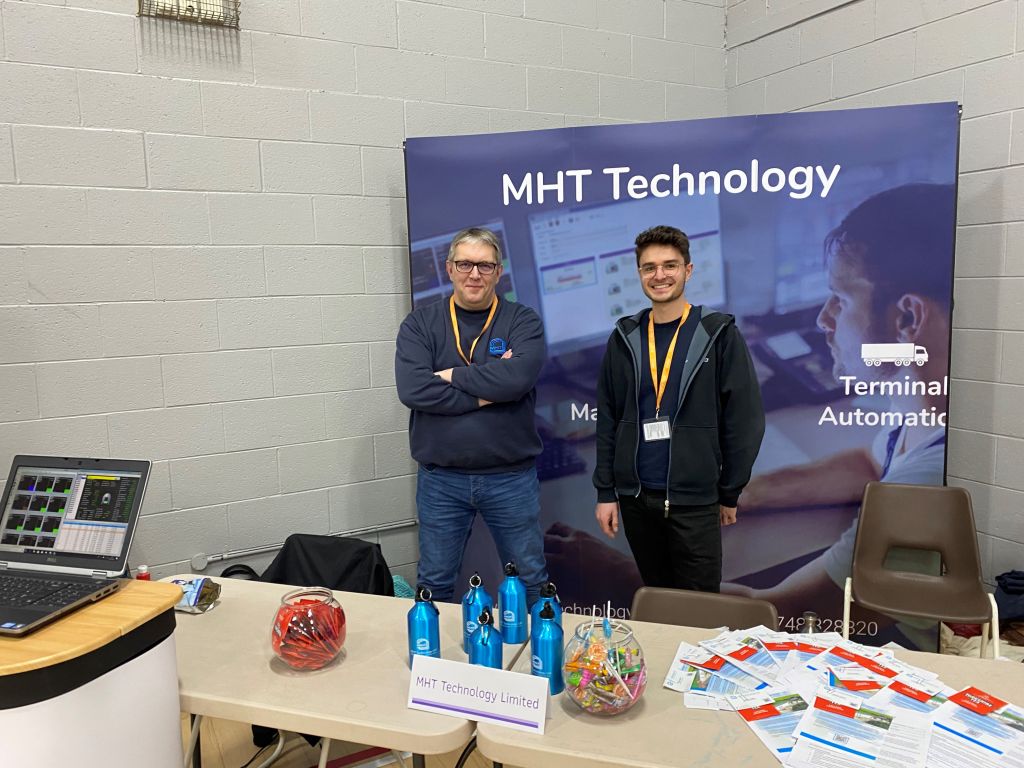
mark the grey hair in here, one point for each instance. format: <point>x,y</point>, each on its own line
<point>475,235</point>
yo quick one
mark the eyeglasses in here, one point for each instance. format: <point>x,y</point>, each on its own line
<point>484,267</point>
<point>649,270</point>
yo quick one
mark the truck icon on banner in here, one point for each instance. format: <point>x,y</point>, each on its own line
<point>900,354</point>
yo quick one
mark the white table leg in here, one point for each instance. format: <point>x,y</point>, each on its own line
<point>193,737</point>
<point>325,750</point>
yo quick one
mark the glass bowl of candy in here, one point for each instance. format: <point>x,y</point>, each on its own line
<point>309,628</point>
<point>604,669</point>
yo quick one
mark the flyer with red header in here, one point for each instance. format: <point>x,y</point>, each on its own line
<point>978,729</point>
<point>913,692</point>
<point>772,715</point>
<point>743,650</point>
<point>840,730</point>
<point>856,679</point>
<point>689,656</point>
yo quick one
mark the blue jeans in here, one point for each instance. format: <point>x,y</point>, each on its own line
<point>509,503</point>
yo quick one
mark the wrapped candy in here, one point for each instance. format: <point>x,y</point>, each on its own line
<point>198,595</point>
<point>604,671</point>
<point>309,628</point>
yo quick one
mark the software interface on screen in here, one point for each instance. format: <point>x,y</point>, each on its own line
<point>586,266</point>
<point>428,256</point>
<point>801,275</point>
<point>78,512</point>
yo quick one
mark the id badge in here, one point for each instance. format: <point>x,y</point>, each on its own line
<point>656,429</point>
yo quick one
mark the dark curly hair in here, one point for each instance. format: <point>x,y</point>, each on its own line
<point>663,235</point>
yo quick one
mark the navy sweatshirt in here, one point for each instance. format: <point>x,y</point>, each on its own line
<point>447,426</point>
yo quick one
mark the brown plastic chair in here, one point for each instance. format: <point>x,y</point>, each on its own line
<point>930,518</point>
<point>688,608</point>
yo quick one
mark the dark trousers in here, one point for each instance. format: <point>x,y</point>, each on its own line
<point>680,551</point>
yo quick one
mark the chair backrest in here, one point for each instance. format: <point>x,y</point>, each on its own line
<point>688,608</point>
<point>924,517</point>
<point>335,562</point>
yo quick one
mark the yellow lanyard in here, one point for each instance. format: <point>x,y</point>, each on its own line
<point>455,327</point>
<point>661,382</point>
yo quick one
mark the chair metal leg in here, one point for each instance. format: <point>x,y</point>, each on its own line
<point>398,757</point>
<point>193,741</point>
<point>461,762</point>
<point>282,736</point>
<point>994,625</point>
<point>847,598</point>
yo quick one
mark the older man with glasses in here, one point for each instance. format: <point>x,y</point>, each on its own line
<point>467,367</point>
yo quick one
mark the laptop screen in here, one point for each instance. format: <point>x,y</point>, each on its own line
<point>76,513</point>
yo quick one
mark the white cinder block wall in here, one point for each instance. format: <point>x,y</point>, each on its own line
<point>202,231</point>
<point>823,54</point>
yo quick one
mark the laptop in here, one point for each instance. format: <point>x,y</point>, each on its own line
<point>66,526</point>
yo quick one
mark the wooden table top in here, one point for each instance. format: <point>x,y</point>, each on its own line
<point>88,628</point>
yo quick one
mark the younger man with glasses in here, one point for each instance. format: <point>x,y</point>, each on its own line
<point>467,367</point>
<point>679,424</point>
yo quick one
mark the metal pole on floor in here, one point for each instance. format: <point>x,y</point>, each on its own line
<point>194,744</point>
<point>461,762</point>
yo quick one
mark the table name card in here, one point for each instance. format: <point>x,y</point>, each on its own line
<point>478,693</point>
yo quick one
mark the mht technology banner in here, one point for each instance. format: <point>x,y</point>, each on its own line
<point>828,235</point>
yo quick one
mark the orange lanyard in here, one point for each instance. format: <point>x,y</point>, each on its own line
<point>661,382</point>
<point>455,327</point>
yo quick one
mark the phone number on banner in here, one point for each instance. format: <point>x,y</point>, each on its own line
<point>796,624</point>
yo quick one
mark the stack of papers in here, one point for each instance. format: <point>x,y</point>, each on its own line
<point>704,678</point>
<point>818,701</point>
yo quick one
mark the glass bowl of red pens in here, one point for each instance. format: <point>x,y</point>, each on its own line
<point>309,628</point>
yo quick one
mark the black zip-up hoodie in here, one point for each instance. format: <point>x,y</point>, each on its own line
<point>718,426</point>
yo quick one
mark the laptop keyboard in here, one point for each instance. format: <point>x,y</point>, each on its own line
<point>21,592</point>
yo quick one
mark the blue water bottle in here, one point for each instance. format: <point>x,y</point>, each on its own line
<point>424,635</point>
<point>546,648</point>
<point>473,604</point>
<point>484,645</point>
<point>512,604</point>
<point>547,592</point>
